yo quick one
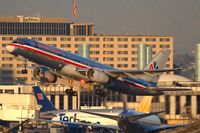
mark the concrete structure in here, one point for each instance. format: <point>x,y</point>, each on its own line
<point>16,102</point>
<point>119,51</point>
<point>144,55</point>
<point>84,50</point>
<point>197,63</point>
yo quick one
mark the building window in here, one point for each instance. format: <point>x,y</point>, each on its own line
<point>108,59</point>
<point>122,45</point>
<point>108,52</point>
<point>134,65</point>
<point>136,39</point>
<point>134,45</point>
<point>5,52</point>
<point>153,46</point>
<point>7,58</point>
<point>122,39</point>
<point>65,45</point>
<point>95,58</point>
<point>65,39</point>
<point>122,52</point>
<point>37,38</point>
<point>108,39</point>
<point>4,45</point>
<point>7,38</point>
<point>150,39</point>
<point>94,52</point>
<point>122,59</point>
<point>9,91</point>
<point>122,65</point>
<point>167,104</point>
<point>164,39</point>
<point>79,39</point>
<point>164,46</point>
<point>134,52</point>
<point>108,46</point>
<point>51,39</point>
<point>7,65</point>
<point>198,104</point>
<point>134,59</point>
<point>94,39</point>
<point>178,105</point>
<point>95,46</point>
<point>61,102</point>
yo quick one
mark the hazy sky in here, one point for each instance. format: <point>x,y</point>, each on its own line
<point>178,18</point>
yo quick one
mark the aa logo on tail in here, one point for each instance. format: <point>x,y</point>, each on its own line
<point>153,66</point>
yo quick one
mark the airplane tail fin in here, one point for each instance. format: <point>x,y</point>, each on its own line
<point>158,62</point>
<point>145,104</point>
<point>42,100</point>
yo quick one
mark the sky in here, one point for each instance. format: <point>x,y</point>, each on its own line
<point>177,18</point>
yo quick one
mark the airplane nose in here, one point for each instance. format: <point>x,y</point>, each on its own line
<point>10,48</point>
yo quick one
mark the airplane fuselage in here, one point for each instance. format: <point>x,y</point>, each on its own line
<point>67,64</point>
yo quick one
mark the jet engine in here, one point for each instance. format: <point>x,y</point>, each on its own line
<point>44,75</point>
<point>97,76</point>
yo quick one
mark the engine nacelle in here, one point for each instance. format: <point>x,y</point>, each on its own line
<point>44,75</point>
<point>97,76</point>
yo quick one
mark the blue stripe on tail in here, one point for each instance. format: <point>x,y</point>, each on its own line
<point>43,100</point>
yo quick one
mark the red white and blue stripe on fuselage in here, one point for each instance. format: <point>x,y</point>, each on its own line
<point>73,59</point>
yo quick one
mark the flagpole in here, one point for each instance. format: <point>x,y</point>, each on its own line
<point>74,11</point>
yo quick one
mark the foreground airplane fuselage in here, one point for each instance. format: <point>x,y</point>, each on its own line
<point>69,64</point>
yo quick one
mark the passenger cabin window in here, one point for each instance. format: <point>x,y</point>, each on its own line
<point>19,42</point>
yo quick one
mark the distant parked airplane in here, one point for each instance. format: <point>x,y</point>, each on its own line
<point>128,120</point>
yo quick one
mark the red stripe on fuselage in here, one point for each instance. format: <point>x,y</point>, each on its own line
<point>135,85</point>
<point>49,55</point>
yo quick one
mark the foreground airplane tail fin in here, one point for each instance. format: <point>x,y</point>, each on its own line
<point>42,100</point>
<point>145,104</point>
<point>158,62</point>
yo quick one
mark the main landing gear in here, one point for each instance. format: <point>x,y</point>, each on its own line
<point>70,91</point>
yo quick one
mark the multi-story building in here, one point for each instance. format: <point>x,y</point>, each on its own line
<point>119,51</point>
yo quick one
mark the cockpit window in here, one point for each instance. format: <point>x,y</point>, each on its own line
<point>19,42</point>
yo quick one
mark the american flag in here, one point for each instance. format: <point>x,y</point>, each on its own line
<point>74,8</point>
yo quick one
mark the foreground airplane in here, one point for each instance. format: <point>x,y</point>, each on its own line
<point>128,120</point>
<point>60,63</point>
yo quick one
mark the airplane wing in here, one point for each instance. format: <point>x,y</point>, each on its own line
<point>128,117</point>
<point>75,123</point>
<point>165,127</point>
<point>123,72</point>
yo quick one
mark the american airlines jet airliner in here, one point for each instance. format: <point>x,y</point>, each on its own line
<point>60,63</point>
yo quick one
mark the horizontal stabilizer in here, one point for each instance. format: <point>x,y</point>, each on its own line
<point>140,116</point>
<point>113,117</point>
<point>171,89</point>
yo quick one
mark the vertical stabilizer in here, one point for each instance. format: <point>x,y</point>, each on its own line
<point>42,100</point>
<point>158,62</point>
<point>145,104</point>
